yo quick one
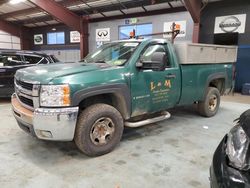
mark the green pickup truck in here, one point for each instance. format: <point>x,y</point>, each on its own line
<point>123,83</point>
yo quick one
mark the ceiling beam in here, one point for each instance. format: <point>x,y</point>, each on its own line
<point>140,14</point>
<point>20,12</point>
<point>59,12</point>
<point>3,2</point>
<point>35,20</point>
<point>66,3</point>
<point>10,28</point>
<point>194,8</point>
<point>35,10</point>
<point>148,13</point>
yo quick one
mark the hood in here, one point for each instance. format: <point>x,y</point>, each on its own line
<point>43,74</point>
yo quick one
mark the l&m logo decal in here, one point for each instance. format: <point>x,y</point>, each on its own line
<point>158,85</point>
<point>168,83</point>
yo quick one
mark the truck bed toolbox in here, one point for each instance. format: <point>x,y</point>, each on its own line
<point>194,53</point>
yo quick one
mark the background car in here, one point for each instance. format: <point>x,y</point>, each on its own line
<point>231,162</point>
<point>11,61</point>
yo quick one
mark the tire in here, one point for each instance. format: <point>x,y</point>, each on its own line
<point>209,107</point>
<point>99,129</point>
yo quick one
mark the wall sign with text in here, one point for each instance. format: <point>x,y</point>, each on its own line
<point>131,21</point>
<point>38,39</point>
<point>230,24</point>
<point>74,37</point>
<point>168,28</point>
<point>102,34</point>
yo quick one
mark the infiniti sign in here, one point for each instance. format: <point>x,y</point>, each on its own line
<point>102,34</point>
<point>230,24</point>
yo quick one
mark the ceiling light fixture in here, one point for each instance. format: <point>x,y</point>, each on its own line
<point>53,29</point>
<point>13,2</point>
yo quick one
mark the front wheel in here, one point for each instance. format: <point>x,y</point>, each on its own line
<point>209,107</point>
<point>99,129</point>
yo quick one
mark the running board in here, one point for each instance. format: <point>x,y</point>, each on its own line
<point>165,115</point>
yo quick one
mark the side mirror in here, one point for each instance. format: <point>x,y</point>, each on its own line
<point>157,63</point>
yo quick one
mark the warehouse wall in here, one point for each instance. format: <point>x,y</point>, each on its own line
<point>68,52</point>
<point>54,28</point>
<point>157,21</point>
<point>231,7</point>
<point>71,51</point>
<point>213,10</point>
<point>65,55</point>
<point>8,41</point>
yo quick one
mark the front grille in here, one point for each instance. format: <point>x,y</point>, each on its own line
<point>24,85</point>
<point>26,101</point>
<point>24,92</point>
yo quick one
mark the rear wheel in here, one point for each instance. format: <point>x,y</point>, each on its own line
<point>99,129</point>
<point>209,107</point>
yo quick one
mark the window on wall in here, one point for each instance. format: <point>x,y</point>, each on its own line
<point>56,38</point>
<point>141,29</point>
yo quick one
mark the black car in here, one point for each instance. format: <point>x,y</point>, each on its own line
<point>11,61</point>
<point>231,162</point>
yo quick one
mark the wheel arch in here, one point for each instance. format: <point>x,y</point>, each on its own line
<point>217,80</point>
<point>116,95</point>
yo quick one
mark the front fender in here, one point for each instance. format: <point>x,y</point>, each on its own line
<point>121,91</point>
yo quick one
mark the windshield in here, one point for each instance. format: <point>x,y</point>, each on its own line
<point>114,54</point>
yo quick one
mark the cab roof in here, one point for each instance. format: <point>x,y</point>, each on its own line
<point>22,52</point>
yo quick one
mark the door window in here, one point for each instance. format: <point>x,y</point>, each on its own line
<point>150,50</point>
<point>32,59</point>
<point>10,60</point>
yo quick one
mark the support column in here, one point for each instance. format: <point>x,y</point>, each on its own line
<point>60,12</point>
<point>84,35</point>
<point>196,32</point>
<point>25,39</point>
<point>194,8</point>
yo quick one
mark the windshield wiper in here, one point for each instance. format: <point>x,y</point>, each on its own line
<point>100,61</point>
<point>83,61</point>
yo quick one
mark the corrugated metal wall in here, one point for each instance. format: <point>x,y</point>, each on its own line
<point>8,41</point>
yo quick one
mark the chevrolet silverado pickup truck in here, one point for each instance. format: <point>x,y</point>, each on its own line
<point>124,83</point>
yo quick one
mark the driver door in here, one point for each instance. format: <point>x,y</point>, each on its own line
<point>155,90</point>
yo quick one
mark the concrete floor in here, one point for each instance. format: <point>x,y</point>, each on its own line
<point>173,153</point>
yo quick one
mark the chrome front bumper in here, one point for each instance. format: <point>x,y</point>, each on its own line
<point>46,123</point>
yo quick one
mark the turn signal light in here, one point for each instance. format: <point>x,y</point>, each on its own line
<point>66,100</point>
<point>66,90</point>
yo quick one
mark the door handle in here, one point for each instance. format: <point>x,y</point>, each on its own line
<point>170,75</point>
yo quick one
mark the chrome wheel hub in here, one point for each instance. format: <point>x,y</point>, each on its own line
<point>102,131</point>
<point>212,102</point>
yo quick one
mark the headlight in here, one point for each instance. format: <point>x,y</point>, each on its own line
<point>55,95</point>
<point>237,148</point>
